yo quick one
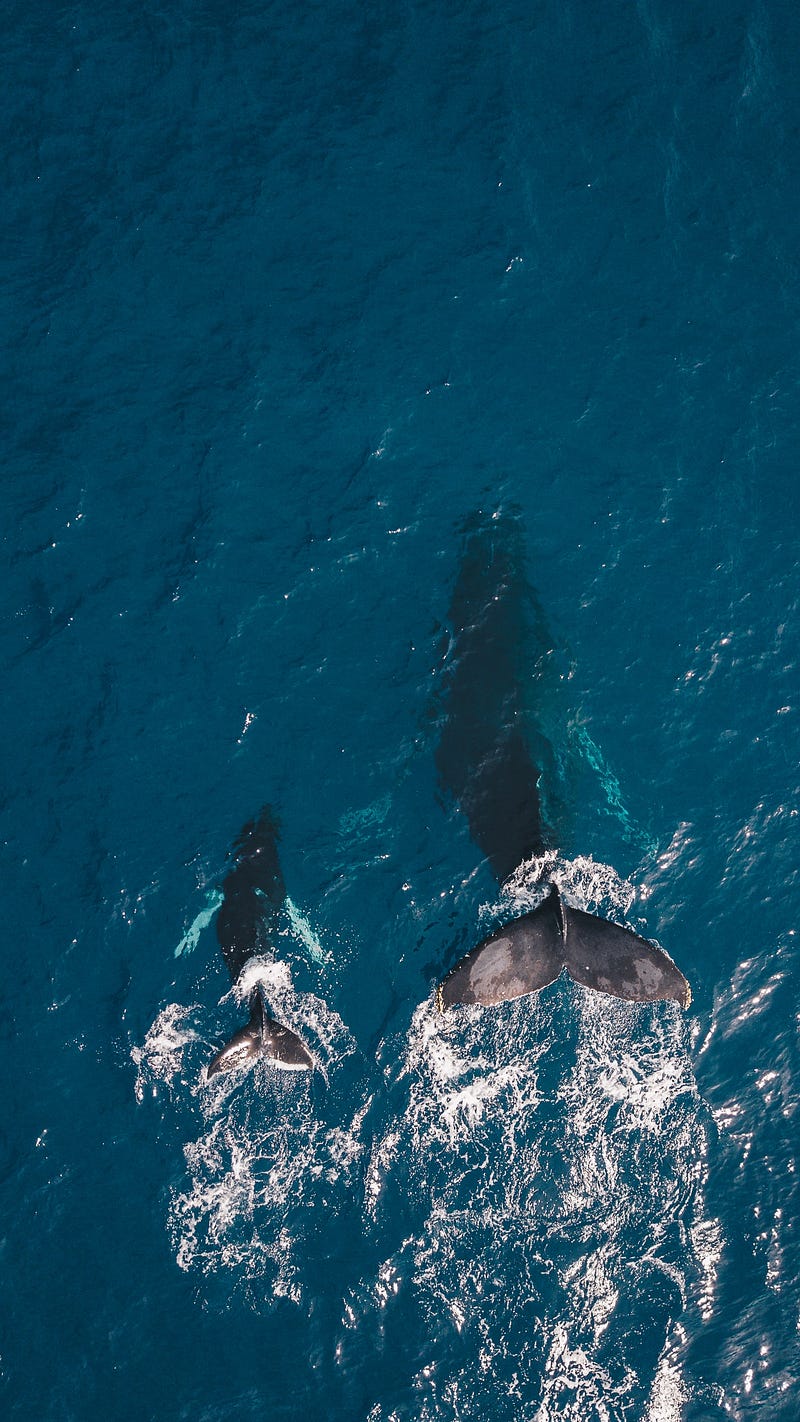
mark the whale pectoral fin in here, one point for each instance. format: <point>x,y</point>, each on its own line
<point>523,957</point>
<point>609,958</point>
<point>262,1037</point>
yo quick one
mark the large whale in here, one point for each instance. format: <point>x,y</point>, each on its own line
<point>484,759</point>
<point>253,893</point>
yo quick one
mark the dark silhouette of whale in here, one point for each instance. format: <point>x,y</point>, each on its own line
<point>484,759</point>
<point>253,893</point>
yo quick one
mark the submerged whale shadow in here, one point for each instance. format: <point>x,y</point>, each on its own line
<point>485,762</point>
<point>253,893</point>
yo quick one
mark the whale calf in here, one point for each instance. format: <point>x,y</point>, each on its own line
<point>485,761</point>
<point>253,893</point>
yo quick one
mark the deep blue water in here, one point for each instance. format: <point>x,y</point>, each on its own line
<point>286,293</point>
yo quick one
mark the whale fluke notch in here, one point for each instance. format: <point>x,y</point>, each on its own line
<point>262,1037</point>
<point>529,953</point>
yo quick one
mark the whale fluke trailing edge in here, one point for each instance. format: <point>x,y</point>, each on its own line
<point>262,1037</point>
<point>253,893</point>
<point>485,763</point>
<point>530,952</point>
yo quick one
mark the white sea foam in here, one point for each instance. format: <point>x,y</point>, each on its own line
<point>584,882</point>
<point>549,1155</point>
<point>256,1179</point>
<point>265,1161</point>
<point>556,1147</point>
<point>160,1057</point>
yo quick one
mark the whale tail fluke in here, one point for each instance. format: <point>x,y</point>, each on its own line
<point>530,952</point>
<point>609,958</point>
<point>262,1037</point>
<point>523,957</point>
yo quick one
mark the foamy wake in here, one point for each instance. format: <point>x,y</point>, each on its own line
<point>160,1058</point>
<point>257,1179</point>
<point>584,882</point>
<point>265,1158</point>
<point>556,1149</point>
<point>531,1177</point>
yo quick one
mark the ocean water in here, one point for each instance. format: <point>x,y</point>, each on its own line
<point>287,293</point>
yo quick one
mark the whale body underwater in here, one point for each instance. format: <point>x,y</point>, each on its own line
<point>485,762</point>
<point>253,893</point>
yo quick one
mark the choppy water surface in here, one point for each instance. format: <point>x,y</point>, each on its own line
<point>287,294</point>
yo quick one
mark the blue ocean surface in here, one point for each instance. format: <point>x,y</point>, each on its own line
<point>287,293</point>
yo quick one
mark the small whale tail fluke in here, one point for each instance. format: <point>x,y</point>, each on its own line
<point>530,952</point>
<point>262,1037</point>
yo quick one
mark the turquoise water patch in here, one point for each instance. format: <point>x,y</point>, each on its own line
<point>192,935</point>
<point>612,790</point>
